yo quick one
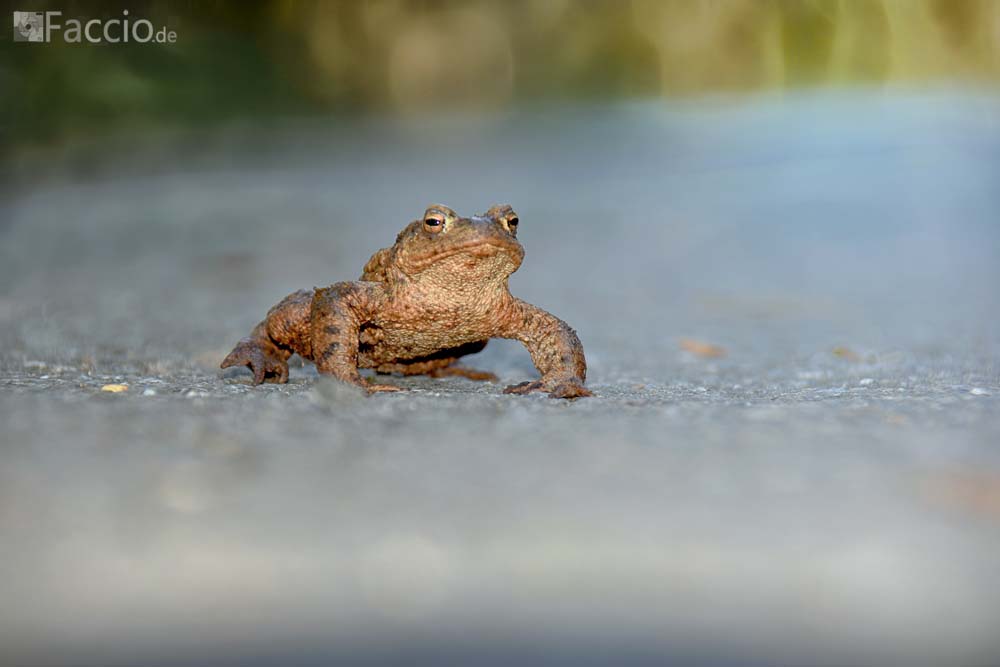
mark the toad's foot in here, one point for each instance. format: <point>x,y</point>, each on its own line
<point>373,387</point>
<point>267,366</point>
<point>571,388</point>
<point>470,373</point>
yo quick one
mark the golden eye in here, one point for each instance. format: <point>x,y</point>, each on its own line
<point>433,224</point>
<point>512,225</point>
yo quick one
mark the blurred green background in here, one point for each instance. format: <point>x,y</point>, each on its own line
<point>260,61</point>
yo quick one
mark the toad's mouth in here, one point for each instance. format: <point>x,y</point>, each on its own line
<point>478,248</point>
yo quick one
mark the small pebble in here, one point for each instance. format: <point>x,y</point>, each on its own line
<point>115,388</point>
<point>149,392</point>
<point>864,382</point>
<point>976,391</point>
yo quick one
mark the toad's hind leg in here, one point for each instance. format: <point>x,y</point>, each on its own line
<point>441,364</point>
<point>462,371</point>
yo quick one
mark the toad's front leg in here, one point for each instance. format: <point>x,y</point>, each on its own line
<point>555,349</point>
<point>337,314</point>
<point>285,330</point>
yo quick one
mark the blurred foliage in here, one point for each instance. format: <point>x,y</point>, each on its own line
<point>275,58</point>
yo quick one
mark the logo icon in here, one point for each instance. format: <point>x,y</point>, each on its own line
<point>29,27</point>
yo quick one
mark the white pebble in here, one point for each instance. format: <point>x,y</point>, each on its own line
<point>149,392</point>
<point>864,382</point>
<point>976,391</point>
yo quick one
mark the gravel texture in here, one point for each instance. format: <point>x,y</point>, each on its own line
<point>825,490</point>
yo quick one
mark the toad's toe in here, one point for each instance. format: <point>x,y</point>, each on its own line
<point>524,387</point>
<point>572,389</point>
<point>375,388</point>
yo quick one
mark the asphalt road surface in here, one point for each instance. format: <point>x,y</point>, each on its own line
<point>790,312</point>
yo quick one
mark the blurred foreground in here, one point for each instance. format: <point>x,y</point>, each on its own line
<point>828,492</point>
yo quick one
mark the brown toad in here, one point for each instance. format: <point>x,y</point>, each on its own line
<point>439,293</point>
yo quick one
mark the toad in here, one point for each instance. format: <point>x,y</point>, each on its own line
<point>439,293</point>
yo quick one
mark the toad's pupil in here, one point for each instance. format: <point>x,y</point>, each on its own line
<point>432,222</point>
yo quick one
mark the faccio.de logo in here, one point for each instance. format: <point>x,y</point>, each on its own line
<point>46,26</point>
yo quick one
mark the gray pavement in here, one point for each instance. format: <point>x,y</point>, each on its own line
<point>827,492</point>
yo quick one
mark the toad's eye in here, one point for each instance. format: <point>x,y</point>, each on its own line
<point>513,222</point>
<point>433,224</point>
